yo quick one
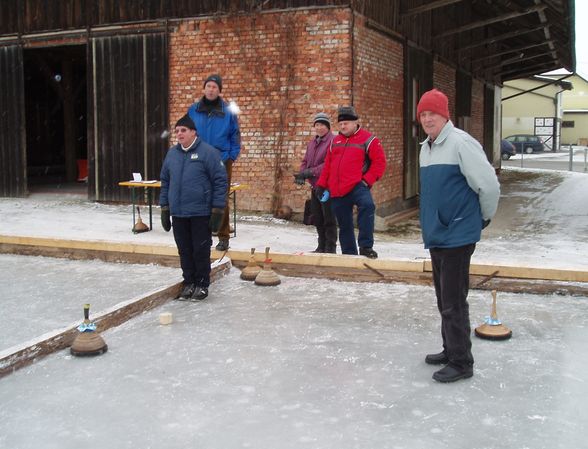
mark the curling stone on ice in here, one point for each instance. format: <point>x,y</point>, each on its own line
<point>250,272</point>
<point>267,276</point>
<point>140,226</point>
<point>493,329</point>
<point>88,341</point>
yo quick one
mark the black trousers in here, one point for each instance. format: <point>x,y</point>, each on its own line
<point>451,267</point>
<point>193,239</point>
<point>325,222</point>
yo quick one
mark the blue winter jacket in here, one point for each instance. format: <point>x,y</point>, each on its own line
<point>218,128</point>
<point>459,189</point>
<point>193,181</point>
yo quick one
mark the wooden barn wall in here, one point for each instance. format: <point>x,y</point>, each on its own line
<point>12,155</point>
<point>129,106</point>
<point>32,16</point>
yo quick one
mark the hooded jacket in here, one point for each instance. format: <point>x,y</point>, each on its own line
<point>218,127</point>
<point>193,181</point>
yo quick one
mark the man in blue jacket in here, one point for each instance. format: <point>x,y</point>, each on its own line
<point>459,195</point>
<point>217,125</point>
<point>193,193</point>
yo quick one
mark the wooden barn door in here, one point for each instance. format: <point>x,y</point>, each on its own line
<point>129,106</point>
<point>418,79</point>
<point>13,177</point>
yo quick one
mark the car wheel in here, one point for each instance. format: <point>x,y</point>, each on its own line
<point>505,156</point>
<point>529,150</point>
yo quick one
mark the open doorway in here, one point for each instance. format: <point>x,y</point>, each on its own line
<point>56,118</point>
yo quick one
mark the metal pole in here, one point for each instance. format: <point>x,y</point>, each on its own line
<point>571,165</point>
<point>522,152</point>
<point>585,156</point>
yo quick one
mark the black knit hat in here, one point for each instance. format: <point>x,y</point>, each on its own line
<point>217,79</point>
<point>187,122</point>
<point>346,113</point>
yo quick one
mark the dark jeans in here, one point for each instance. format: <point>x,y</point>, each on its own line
<point>325,222</point>
<point>343,208</point>
<point>451,267</point>
<point>193,240</point>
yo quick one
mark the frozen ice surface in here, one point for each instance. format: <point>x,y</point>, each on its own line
<point>310,364</point>
<point>41,294</point>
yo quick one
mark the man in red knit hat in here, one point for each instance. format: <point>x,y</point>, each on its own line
<point>355,161</point>
<point>459,195</point>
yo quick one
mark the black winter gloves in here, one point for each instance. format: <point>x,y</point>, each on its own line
<point>165,218</point>
<point>216,217</point>
<point>485,223</point>
<point>299,178</point>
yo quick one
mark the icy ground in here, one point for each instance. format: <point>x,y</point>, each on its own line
<point>310,364</point>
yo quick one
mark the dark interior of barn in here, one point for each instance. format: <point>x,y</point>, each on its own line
<point>56,118</point>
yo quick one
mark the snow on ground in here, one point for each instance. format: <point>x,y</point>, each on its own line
<point>542,221</point>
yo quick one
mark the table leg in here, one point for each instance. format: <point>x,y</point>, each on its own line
<point>133,203</point>
<point>150,200</point>
<point>234,213</point>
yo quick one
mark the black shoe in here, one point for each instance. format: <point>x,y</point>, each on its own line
<point>331,249</point>
<point>319,249</point>
<point>437,359</point>
<point>368,252</point>
<point>451,374</point>
<point>223,245</point>
<point>187,292</point>
<point>199,294</point>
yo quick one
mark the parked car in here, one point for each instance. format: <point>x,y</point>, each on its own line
<point>526,143</point>
<point>507,150</point>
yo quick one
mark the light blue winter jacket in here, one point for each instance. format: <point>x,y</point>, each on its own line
<point>193,181</point>
<point>459,189</point>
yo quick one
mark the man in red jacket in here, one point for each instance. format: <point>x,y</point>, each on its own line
<point>355,161</point>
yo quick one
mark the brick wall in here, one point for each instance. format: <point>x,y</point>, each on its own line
<point>477,120</point>
<point>444,80</point>
<point>280,68</point>
<point>378,82</point>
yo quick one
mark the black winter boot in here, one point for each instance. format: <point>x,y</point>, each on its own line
<point>368,252</point>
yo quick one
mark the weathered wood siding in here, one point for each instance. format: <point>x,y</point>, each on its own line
<point>12,156</point>
<point>129,106</point>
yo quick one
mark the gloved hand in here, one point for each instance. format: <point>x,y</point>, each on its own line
<point>299,179</point>
<point>165,218</point>
<point>485,223</point>
<point>216,218</point>
<point>306,173</point>
<point>325,196</point>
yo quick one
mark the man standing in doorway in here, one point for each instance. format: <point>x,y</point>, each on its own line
<point>458,198</point>
<point>355,161</point>
<point>217,125</point>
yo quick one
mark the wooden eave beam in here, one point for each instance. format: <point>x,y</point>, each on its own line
<point>428,7</point>
<point>532,70</point>
<point>505,52</point>
<point>501,37</point>
<point>483,23</point>
<point>517,59</point>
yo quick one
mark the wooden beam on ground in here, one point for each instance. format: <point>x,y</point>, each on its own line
<point>24,354</point>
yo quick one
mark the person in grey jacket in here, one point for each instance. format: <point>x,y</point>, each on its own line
<point>458,198</point>
<point>193,194</point>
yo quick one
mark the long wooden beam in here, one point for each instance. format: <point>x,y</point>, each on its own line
<point>500,37</point>
<point>112,251</point>
<point>428,7</point>
<point>483,23</point>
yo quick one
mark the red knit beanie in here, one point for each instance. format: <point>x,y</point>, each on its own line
<point>434,101</point>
